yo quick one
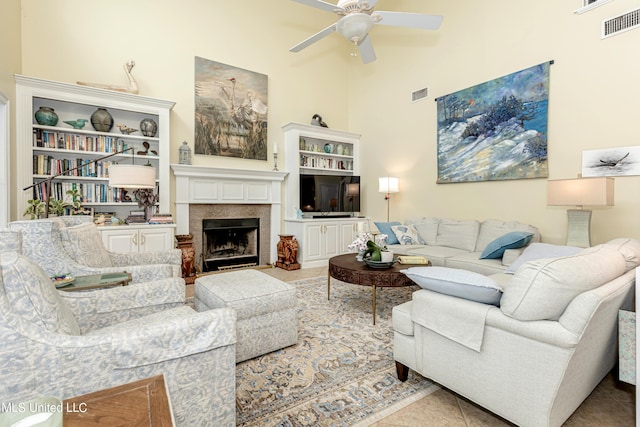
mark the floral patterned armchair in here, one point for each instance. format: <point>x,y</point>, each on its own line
<point>73,245</point>
<point>66,344</point>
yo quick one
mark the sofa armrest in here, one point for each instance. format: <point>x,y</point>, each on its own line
<point>547,331</point>
<point>99,308</point>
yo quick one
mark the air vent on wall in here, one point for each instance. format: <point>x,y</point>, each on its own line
<point>620,23</point>
<point>419,94</point>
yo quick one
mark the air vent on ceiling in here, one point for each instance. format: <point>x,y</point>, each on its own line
<point>419,94</point>
<point>620,23</point>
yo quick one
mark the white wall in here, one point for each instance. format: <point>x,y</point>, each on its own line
<point>592,104</point>
<point>593,92</point>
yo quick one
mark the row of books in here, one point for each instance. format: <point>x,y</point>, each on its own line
<point>90,192</point>
<point>161,218</point>
<point>48,165</point>
<point>70,141</point>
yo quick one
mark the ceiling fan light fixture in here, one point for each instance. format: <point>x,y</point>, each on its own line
<point>355,26</point>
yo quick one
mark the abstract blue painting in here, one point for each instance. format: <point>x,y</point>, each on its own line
<point>495,130</point>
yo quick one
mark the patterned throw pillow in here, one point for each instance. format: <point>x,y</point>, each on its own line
<point>83,244</point>
<point>407,235</point>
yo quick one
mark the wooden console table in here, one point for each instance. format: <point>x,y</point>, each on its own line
<point>140,403</point>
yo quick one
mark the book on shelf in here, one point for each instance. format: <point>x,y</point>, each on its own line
<point>161,218</point>
<point>136,217</point>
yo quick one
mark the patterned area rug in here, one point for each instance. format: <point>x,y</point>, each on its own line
<point>341,372</point>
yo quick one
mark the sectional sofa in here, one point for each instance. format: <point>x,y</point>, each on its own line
<point>540,350</point>
<point>457,243</point>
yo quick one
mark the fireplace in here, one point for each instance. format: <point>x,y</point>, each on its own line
<point>230,243</point>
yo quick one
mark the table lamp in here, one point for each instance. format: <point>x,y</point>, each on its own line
<point>388,185</point>
<point>580,192</point>
<point>140,178</point>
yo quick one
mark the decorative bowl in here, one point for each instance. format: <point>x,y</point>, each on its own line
<point>379,264</point>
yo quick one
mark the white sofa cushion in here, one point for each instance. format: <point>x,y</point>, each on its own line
<point>458,234</point>
<point>427,229</point>
<point>438,255</point>
<point>542,289</point>
<point>83,244</point>
<point>455,282</point>
<point>542,250</point>
<point>471,261</point>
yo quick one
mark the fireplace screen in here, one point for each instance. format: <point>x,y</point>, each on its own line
<point>230,243</point>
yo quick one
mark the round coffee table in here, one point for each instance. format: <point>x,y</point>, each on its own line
<point>346,268</point>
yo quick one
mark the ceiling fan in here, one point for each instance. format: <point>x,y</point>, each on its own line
<point>357,19</point>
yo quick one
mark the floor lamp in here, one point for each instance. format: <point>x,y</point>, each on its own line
<point>388,185</point>
<point>580,192</point>
<point>122,176</point>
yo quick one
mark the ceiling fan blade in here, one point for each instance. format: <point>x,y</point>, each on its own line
<point>366,50</point>
<point>411,20</point>
<point>314,38</point>
<point>320,5</point>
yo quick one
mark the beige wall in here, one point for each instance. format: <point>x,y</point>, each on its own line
<point>592,97</point>
<point>592,105</point>
<point>9,65</point>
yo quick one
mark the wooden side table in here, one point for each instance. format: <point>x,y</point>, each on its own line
<point>140,403</point>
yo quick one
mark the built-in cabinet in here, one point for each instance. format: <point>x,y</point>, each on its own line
<point>322,151</point>
<point>316,150</point>
<point>320,240</point>
<point>46,148</point>
<point>139,238</point>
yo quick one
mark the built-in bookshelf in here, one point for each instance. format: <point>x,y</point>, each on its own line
<point>53,149</point>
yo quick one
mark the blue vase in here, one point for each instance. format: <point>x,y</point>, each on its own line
<point>46,116</point>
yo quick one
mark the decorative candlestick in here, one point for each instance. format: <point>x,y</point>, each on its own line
<point>275,161</point>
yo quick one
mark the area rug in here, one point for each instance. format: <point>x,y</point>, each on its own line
<point>340,373</point>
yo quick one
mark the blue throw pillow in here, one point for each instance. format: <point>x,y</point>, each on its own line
<point>385,228</point>
<point>513,240</point>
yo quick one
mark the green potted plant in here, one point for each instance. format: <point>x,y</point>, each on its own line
<point>35,208</point>
<point>377,250</point>
<point>76,203</point>
<point>57,207</point>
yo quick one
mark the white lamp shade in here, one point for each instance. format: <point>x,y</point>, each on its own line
<point>132,176</point>
<point>580,192</point>
<point>355,26</point>
<point>388,184</point>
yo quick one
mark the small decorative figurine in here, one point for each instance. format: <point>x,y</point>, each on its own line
<point>126,129</point>
<point>76,124</point>
<point>316,120</point>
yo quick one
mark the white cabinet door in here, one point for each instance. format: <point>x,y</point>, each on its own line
<point>145,238</point>
<point>313,248</point>
<point>121,241</point>
<point>157,239</point>
<point>349,232</point>
<point>331,240</point>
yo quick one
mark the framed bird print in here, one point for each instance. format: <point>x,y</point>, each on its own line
<point>618,161</point>
<point>230,111</point>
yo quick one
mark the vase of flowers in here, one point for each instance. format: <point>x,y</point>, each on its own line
<point>360,245</point>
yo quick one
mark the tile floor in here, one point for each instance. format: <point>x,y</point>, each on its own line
<point>612,404</point>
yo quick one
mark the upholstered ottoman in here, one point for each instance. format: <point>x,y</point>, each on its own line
<point>265,307</point>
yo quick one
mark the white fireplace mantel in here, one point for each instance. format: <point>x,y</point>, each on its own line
<point>212,185</point>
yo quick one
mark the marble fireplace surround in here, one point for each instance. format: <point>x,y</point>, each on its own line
<point>212,192</point>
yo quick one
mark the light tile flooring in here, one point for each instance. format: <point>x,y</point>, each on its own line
<point>612,404</point>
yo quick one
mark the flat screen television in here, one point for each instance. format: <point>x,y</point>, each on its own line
<point>329,195</point>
